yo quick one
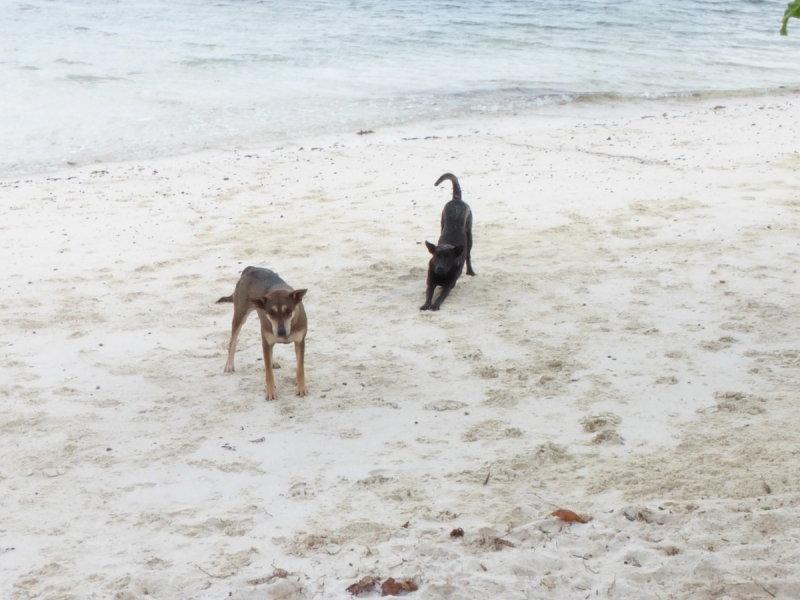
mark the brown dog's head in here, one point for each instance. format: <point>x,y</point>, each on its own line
<point>281,309</point>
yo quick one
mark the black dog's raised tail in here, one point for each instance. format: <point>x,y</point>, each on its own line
<point>456,186</point>
<point>225,299</point>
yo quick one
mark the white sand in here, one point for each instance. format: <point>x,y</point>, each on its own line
<point>629,350</point>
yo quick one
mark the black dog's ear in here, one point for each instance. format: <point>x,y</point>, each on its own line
<point>258,303</point>
<point>431,247</point>
<point>459,250</point>
<point>297,295</point>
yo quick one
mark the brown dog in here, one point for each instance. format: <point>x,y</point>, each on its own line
<point>283,319</point>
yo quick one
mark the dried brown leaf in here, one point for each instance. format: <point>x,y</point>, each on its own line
<point>457,533</point>
<point>568,516</point>
<point>391,587</point>
<point>501,542</point>
<point>365,585</point>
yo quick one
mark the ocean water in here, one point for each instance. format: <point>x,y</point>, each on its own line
<point>91,80</point>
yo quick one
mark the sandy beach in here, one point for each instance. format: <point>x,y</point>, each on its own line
<point>628,350</point>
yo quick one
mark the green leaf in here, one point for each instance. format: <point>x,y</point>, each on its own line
<point>792,10</point>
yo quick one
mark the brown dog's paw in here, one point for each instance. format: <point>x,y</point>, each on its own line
<point>302,390</point>
<point>271,395</point>
<point>276,365</point>
<point>229,368</point>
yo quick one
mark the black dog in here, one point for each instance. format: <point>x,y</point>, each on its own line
<point>449,254</point>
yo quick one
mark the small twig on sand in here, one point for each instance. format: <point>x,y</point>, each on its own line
<point>583,558</point>
<point>763,588</point>
<point>278,572</point>
<point>322,589</point>
<point>211,574</point>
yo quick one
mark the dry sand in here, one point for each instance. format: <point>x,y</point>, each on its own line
<point>628,350</point>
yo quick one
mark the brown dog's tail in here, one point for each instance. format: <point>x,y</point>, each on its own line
<point>225,299</point>
<point>456,186</point>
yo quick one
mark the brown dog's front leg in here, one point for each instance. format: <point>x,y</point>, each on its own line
<point>267,348</point>
<point>236,327</point>
<point>299,352</point>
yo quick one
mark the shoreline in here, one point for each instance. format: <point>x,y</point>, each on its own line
<point>628,350</point>
<point>573,103</point>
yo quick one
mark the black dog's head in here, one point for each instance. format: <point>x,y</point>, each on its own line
<point>446,258</point>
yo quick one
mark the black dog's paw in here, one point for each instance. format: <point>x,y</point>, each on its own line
<point>470,272</point>
<point>434,307</point>
<point>425,307</point>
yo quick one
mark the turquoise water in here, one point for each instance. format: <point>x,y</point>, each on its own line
<point>89,80</point>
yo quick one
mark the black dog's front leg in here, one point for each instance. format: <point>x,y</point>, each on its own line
<point>429,296</point>
<point>445,291</point>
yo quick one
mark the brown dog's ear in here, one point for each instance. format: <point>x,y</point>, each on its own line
<point>297,295</point>
<point>431,247</point>
<point>459,250</point>
<point>258,303</point>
